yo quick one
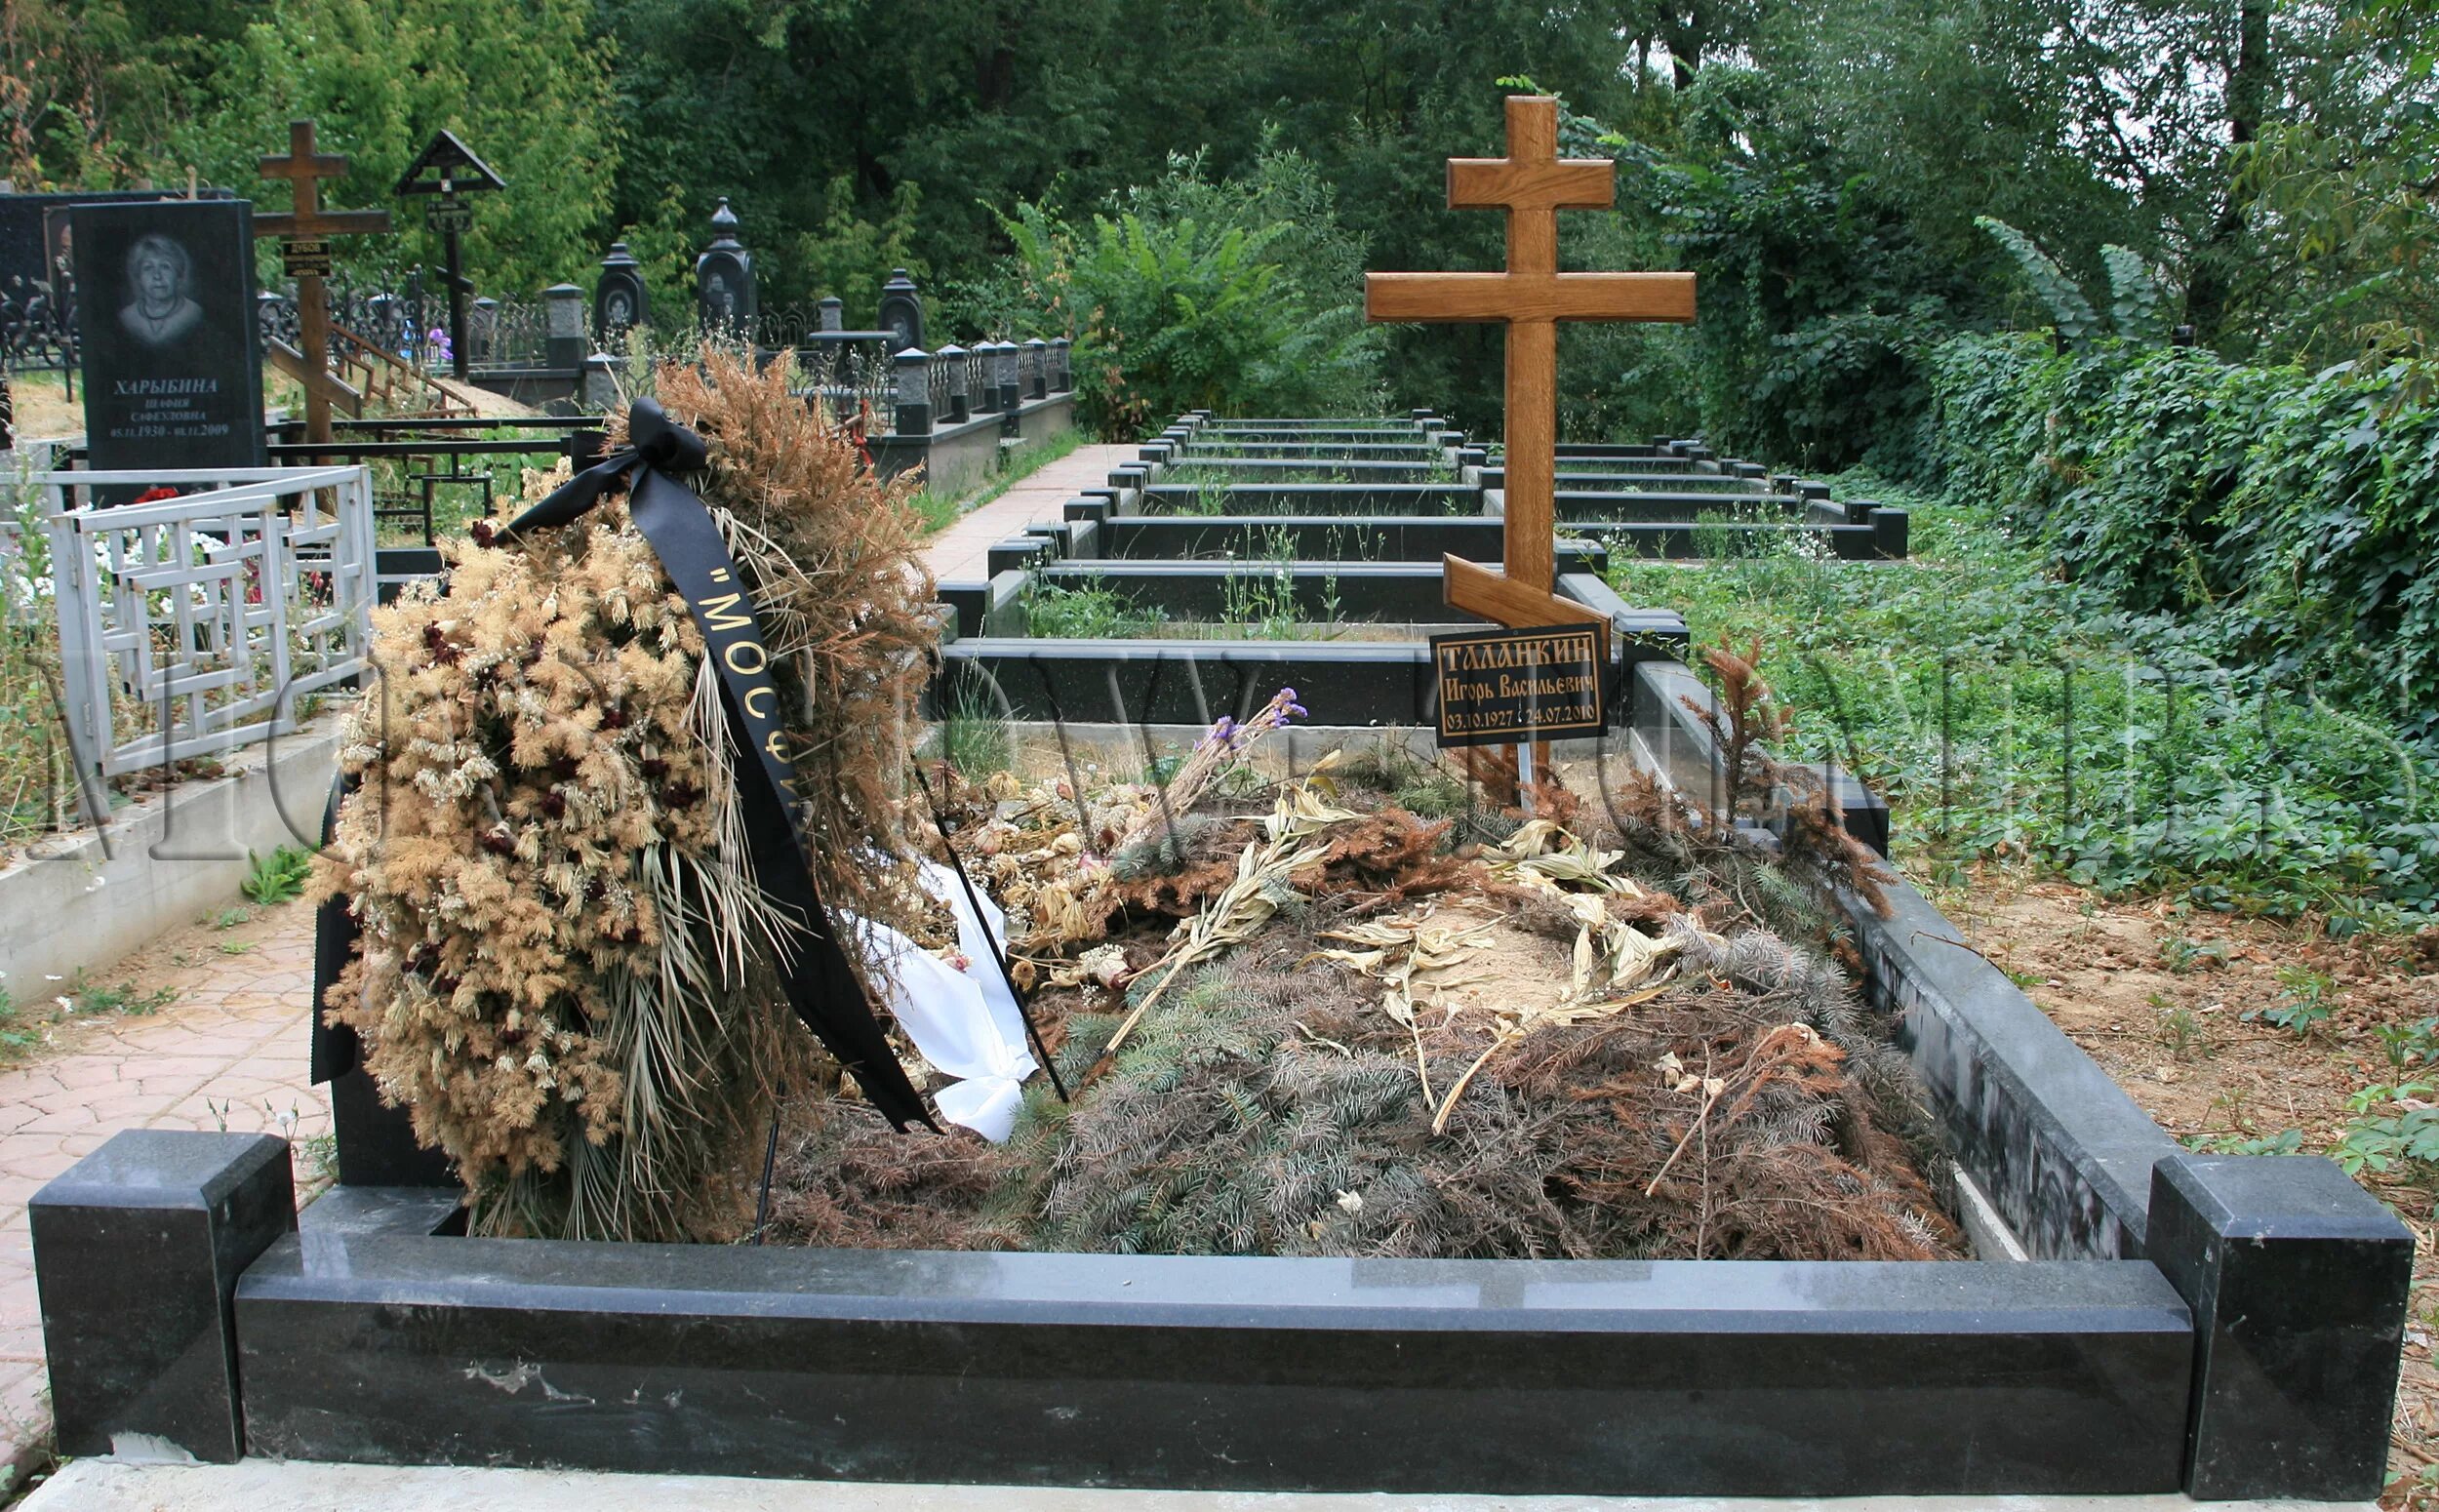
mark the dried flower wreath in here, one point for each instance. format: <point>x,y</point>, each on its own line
<point>568,972</point>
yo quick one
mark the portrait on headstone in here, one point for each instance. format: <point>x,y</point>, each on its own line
<point>173,366</point>
<point>159,277</point>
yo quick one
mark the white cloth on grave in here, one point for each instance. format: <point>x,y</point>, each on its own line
<point>965,1023</point>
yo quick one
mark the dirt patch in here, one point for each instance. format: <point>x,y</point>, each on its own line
<point>2157,997</point>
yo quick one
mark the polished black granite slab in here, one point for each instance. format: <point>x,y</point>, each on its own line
<point>2298,1280</point>
<point>137,1248</point>
<point>1674,1378</point>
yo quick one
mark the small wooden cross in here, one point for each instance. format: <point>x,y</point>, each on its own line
<point>1532,183</point>
<point>306,257</point>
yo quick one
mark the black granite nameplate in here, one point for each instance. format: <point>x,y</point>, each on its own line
<point>1498,687</point>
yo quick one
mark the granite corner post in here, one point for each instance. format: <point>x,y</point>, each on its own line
<point>2297,1280</point>
<point>138,1249</point>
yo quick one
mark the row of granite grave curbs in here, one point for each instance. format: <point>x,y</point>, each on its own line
<point>1339,523</point>
<point>2138,1319</point>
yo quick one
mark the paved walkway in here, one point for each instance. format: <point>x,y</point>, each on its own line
<point>960,552</point>
<point>227,1052</point>
<point>258,1486</point>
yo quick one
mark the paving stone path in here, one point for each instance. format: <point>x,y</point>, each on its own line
<point>229,1049</point>
<point>959,553</point>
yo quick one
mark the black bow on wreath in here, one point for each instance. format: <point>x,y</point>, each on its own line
<point>822,984</point>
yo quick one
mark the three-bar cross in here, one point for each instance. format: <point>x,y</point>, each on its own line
<point>1532,183</point>
<point>306,257</point>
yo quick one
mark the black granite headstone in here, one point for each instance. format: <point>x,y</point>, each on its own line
<point>726,295</point>
<point>173,364</point>
<point>137,1248</point>
<point>620,302</point>
<point>902,311</point>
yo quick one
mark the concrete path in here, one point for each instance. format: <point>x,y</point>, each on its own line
<point>959,553</point>
<point>258,1485</point>
<point>227,1052</point>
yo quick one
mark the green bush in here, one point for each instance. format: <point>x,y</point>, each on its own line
<point>2295,510</point>
<point>1240,297</point>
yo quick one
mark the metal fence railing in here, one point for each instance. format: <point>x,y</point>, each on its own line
<point>191,626</point>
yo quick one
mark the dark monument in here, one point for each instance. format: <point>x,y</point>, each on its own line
<point>173,366</point>
<point>724,280</point>
<point>902,311</point>
<point>620,302</point>
<point>34,227</point>
<point>448,169</point>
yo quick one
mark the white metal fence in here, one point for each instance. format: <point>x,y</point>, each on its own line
<point>212,612</point>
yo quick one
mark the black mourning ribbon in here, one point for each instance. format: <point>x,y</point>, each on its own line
<point>821,983</point>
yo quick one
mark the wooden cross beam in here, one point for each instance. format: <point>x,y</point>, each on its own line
<point>306,259</point>
<point>304,168</point>
<point>1532,183</point>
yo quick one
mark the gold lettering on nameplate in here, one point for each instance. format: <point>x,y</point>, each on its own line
<point>1501,685</point>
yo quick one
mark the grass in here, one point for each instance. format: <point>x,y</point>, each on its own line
<point>278,877</point>
<point>2006,714</point>
<point>939,511</point>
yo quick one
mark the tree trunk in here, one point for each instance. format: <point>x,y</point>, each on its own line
<point>2248,98</point>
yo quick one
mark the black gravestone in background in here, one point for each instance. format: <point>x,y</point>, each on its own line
<point>173,366</point>
<point>620,302</point>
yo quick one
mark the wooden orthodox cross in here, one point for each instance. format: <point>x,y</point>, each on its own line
<point>305,257</point>
<point>1532,183</point>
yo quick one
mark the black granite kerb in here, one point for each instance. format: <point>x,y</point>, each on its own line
<point>367,1341</point>
<point>2298,1281</point>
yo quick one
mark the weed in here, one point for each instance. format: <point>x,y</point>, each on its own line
<point>2179,1030</point>
<point>2409,1046</point>
<point>83,996</point>
<point>2305,1005</point>
<point>278,877</point>
<point>2393,1124</point>
<point>235,947</point>
<point>2287,1141</point>
<point>230,918</point>
<point>2181,955</point>
<point>974,737</point>
<point>1091,610</point>
<point>14,1038</point>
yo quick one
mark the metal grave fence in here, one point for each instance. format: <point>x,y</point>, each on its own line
<point>193,626</point>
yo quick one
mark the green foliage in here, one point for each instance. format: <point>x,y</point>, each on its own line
<point>86,996</point>
<point>2294,510</point>
<point>849,257</point>
<point>2069,311</point>
<point>1196,294</point>
<point>2305,1005</point>
<point>2136,311</point>
<point>1091,610</point>
<point>278,877</point>
<point>2005,713</point>
<point>511,77</point>
<point>974,736</point>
